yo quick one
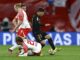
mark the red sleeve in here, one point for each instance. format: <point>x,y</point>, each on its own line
<point>25,48</point>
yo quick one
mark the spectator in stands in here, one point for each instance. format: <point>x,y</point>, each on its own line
<point>5,25</point>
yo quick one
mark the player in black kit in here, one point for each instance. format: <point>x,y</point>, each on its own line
<point>39,35</point>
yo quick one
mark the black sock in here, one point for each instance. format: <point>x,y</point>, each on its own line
<point>51,43</point>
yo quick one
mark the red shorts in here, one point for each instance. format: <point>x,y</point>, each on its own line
<point>22,32</point>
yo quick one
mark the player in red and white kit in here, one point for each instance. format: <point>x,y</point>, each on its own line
<point>28,44</point>
<point>21,24</point>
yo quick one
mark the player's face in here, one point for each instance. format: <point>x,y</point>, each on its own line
<point>40,13</point>
<point>16,8</point>
<point>24,7</point>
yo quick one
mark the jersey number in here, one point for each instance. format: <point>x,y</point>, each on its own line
<point>31,42</point>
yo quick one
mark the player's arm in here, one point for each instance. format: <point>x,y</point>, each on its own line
<point>44,24</point>
<point>17,25</point>
<point>24,51</point>
<point>19,19</point>
<point>14,22</point>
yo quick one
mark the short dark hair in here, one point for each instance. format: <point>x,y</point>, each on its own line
<point>19,39</point>
<point>40,10</point>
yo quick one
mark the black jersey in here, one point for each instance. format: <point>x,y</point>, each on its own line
<point>37,33</point>
<point>36,23</point>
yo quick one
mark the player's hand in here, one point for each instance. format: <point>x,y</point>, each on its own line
<point>47,24</point>
<point>10,51</point>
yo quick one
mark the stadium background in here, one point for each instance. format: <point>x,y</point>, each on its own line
<point>65,10</point>
<point>68,13</point>
<point>62,13</point>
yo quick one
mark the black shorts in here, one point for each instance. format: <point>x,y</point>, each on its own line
<point>39,36</point>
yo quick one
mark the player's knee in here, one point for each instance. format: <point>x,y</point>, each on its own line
<point>47,37</point>
<point>42,42</point>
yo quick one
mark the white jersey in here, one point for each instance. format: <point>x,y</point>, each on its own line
<point>34,46</point>
<point>28,44</point>
<point>31,44</point>
<point>23,17</point>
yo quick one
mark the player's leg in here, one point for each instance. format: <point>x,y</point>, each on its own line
<point>38,37</point>
<point>46,36</point>
<point>21,33</point>
<point>37,51</point>
<point>41,39</point>
<point>50,41</point>
<point>23,52</point>
<point>53,49</point>
<point>12,48</point>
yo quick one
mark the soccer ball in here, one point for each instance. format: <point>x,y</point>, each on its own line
<point>51,52</point>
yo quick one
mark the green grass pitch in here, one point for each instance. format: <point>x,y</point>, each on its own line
<point>66,53</point>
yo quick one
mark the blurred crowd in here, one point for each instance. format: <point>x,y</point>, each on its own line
<point>58,26</point>
<point>5,25</point>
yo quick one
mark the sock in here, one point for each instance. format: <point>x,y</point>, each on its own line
<point>14,46</point>
<point>51,43</point>
<point>42,45</point>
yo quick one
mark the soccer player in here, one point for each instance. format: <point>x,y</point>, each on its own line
<point>21,23</point>
<point>38,34</point>
<point>28,44</point>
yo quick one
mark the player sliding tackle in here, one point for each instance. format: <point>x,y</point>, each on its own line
<point>27,45</point>
<point>21,23</point>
